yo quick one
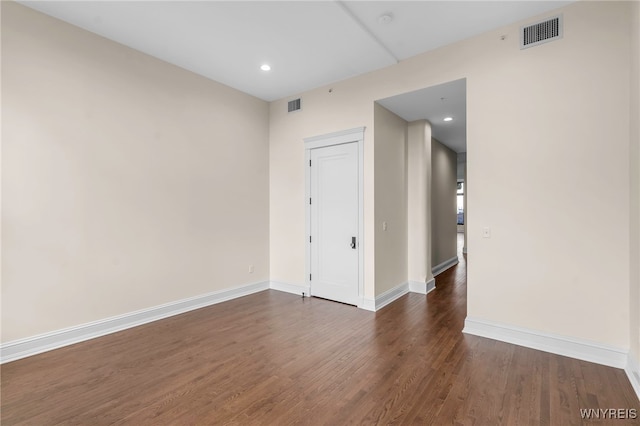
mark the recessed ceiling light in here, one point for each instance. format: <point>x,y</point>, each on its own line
<point>265,67</point>
<point>448,118</point>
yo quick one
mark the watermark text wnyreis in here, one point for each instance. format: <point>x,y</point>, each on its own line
<point>608,413</point>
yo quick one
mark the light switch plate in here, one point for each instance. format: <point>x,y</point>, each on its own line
<point>486,232</point>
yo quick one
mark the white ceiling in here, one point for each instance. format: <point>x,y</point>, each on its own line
<point>434,104</point>
<point>308,44</point>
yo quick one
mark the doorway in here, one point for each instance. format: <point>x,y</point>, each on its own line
<point>334,216</point>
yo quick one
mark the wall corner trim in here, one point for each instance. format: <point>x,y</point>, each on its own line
<point>22,348</point>
<point>633,373</point>
<point>417,287</point>
<point>441,267</point>
<point>422,288</point>
<point>431,285</point>
<point>560,345</point>
<point>368,304</point>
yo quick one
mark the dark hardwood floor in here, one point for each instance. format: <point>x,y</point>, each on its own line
<point>275,359</point>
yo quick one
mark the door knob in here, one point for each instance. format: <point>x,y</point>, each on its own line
<point>353,243</point>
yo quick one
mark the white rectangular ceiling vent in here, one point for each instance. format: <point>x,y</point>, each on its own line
<point>294,105</point>
<point>541,32</point>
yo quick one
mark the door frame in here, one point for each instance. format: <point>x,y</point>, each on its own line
<point>355,135</point>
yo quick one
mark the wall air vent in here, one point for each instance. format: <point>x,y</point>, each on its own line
<point>294,105</point>
<point>541,32</point>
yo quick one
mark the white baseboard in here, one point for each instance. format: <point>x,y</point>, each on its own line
<point>560,345</point>
<point>397,292</point>
<point>444,265</point>
<point>633,373</point>
<point>290,288</point>
<point>422,288</point>
<point>417,287</point>
<point>368,304</point>
<point>431,285</point>
<point>34,345</point>
<point>391,295</point>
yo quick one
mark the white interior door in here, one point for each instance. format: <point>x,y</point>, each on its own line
<point>334,241</point>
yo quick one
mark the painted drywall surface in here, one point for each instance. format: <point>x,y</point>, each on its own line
<point>558,255</point>
<point>418,203</point>
<point>635,183</point>
<point>127,182</point>
<point>390,199</point>
<point>444,232</point>
<point>558,259</point>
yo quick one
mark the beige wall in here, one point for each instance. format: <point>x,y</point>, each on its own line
<point>558,257</point>
<point>444,231</point>
<point>635,183</point>
<point>418,201</point>
<point>126,182</point>
<point>390,199</point>
<point>544,268</point>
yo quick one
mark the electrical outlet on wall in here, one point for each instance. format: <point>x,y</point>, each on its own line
<point>251,269</point>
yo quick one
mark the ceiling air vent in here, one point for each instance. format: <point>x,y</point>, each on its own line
<point>541,32</point>
<point>294,105</point>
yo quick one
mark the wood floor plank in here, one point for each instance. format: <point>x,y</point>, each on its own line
<point>276,359</point>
